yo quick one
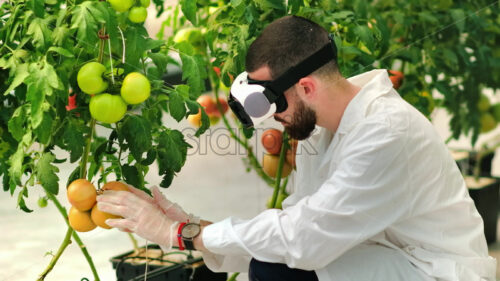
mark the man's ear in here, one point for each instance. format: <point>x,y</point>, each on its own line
<point>307,87</point>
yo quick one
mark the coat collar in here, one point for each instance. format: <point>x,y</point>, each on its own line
<point>373,84</point>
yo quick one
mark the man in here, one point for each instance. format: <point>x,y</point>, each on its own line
<point>382,199</point>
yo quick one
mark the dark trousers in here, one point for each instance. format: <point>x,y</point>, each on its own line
<point>264,271</point>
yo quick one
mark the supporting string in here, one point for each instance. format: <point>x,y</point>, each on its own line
<point>123,45</point>
<point>111,62</point>
<point>146,272</point>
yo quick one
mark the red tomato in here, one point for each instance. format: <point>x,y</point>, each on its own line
<point>223,104</point>
<point>71,103</point>
<point>396,78</point>
<point>208,103</point>
<point>271,140</point>
<point>217,70</point>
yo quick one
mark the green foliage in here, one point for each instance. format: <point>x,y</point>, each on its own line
<point>448,47</point>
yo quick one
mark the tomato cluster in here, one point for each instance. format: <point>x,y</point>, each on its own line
<point>272,140</point>
<point>209,104</point>
<point>136,13</point>
<point>84,215</point>
<point>109,108</point>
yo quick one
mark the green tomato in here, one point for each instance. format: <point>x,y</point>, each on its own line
<point>107,108</point>
<point>495,111</point>
<point>42,202</point>
<point>90,79</point>
<point>137,14</point>
<point>484,103</point>
<point>145,3</point>
<point>488,122</point>
<point>121,5</point>
<point>194,36</point>
<point>135,88</point>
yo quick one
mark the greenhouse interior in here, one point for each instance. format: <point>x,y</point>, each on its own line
<point>207,140</point>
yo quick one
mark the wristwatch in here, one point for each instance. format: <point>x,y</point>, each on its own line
<point>188,233</point>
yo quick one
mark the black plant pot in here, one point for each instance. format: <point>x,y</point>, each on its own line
<point>485,166</point>
<point>484,192</point>
<point>467,160</point>
<point>173,266</point>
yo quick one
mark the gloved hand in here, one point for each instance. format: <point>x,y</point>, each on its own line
<point>142,217</point>
<point>172,210</point>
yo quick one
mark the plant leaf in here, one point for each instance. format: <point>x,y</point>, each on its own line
<point>41,82</point>
<point>44,131</point>
<point>16,165</point>
<point>188,8</point>
<point>85,24</point>
<point>74,139</point>
<point>38,7</point>
<point>132,176</point>
<point>19,77</point>
<point>46,173</point>
<point>61,51</point>
<point>193,69</point>
<point>172,151</point>
<point>136,130</point>
<point>176,106</point>
<point>160,60</point>
<point>38,29</point>
<point>17,121</point>
<point>20,201</point>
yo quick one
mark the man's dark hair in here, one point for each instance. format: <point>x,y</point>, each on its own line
<point>286,42</point>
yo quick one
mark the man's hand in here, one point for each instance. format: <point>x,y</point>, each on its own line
<point>140,215</point>
<point>172,210</point>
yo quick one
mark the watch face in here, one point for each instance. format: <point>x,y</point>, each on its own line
<point>190,230</point>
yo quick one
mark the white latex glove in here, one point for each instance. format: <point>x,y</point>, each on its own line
<point>140,216</point>
<point>172,210</point>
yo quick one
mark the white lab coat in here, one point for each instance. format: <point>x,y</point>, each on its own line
<point>385,176</point>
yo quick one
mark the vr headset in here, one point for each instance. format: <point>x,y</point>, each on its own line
<point>253,101</point>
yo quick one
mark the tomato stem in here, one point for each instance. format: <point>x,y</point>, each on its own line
<point>55,258</point>
<point>82,247</point>
<point>233,277</point>
<point>280,169</point>
<point>101,44</point>
<point>134,241</point>
<point>85,157</point>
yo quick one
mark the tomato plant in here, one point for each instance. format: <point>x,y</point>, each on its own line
<point>64,65</point>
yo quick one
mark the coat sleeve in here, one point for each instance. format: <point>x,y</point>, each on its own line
<point>366,194</point>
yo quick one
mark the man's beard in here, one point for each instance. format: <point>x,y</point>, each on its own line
<point>303,122</point>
